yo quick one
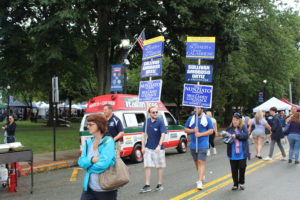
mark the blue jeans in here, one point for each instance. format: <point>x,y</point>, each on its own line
<point>294,140</point>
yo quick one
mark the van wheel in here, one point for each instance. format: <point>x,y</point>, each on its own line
<point>182,146</point>
<point>137,155</point>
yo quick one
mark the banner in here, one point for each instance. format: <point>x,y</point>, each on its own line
<point>116,78</point>
<point>150,91</point>
<point>197,95</point>
<point>199,73</point>
<point>153,48</point>
<point>151,68</point>
<point>200,48</point>
<point>260,96</point>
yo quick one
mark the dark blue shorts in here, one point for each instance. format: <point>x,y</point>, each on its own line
<point>201,155</point>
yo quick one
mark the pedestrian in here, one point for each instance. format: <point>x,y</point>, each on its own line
<point>115,126</point>
<point>269,119</point>
<point>212,136</point>
<point>10,130</point>
<point>201,132</point>
<point>293,132</point>
<point>98,154</point>
<point>276,135</point>
<point>238,151</point>
<point>258,132</point>
<point>154,152</point>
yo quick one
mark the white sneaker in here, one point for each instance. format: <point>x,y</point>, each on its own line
<point>267,158</point>
<point>214,151</point>
<point>283,158</point>
<point>199,185</point>
<point>208,152</point>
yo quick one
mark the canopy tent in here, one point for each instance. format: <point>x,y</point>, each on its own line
<point>294,105</point>
<point>273,102</point>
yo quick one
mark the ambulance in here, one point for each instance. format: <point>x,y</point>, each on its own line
<point>133,113</point>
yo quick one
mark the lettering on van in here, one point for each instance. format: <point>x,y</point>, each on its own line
<point>136,104</point>
<point>102,103</point>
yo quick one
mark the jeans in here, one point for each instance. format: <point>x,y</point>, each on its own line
<point>279,145</point>
<point>93,195</point>
<point>294,140</point>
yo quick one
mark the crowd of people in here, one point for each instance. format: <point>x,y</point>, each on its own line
<point>101,150</point>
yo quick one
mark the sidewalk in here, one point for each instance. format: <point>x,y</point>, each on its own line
<point>44,162</point>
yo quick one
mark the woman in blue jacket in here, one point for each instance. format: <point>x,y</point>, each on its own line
<point>238,151</point>
<point>98,154</point>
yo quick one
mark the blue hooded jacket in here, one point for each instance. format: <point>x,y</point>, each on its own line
<point>106,158</point>
<point>243,136</point>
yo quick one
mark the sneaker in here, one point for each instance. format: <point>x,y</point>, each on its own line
<point>208,152</point>
<point>290,161</point>
<point>146,188</point>
<point>296,162</point>
<point>242,187</point>
<point>214,151</point>
<point>199,185</point>
<point>159,187</point>
<point>267,158</point>
<point>283,158</point>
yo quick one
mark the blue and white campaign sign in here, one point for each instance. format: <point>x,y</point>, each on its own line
<point>153,48</point>
<point>199,73</point>
<point>151,68</point>
<point>197,95</point>
<point>149,91</point>
<point>200,48</point>
<point>116,78</point>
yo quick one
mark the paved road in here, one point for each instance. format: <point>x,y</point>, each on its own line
<point>272,180</point>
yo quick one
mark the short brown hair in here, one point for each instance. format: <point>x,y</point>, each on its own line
<point>108,106</point>
<point>274,109</point>
<point>100,121</point>
<point>151,108</point>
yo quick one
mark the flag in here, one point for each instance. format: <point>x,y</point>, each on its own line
<point>141,39</point>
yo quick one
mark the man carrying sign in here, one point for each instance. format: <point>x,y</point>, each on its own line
<point>201,132</point>
<point>154,152</point>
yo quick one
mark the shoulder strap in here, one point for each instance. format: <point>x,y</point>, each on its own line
<point>107,137</point>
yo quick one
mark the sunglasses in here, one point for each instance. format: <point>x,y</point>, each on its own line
<point>155,112</point>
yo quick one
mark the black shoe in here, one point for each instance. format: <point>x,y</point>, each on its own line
<point>159,187</point>
<point>290,161</point>
<point>146,188</point>
<point>296,162</point>
<point>259,157</point>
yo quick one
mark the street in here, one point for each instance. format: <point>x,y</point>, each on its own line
<point>268,180</point>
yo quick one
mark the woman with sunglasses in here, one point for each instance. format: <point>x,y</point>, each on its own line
<point>98,154</point>
<point>10,129</point>
<point>238,150</point>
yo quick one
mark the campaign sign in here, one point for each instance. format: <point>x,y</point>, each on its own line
<point>151,68</point>
<point>153,48</point>
<point>200,48</point>
<point>198,73</point>
<point>116,78</point>
<point>260,96</point>
<point>149,91</point>
<point>197,95</point>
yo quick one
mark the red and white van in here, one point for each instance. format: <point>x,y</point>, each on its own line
<point>132,113</point>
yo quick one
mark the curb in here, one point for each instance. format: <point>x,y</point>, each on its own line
<point>39,168</point>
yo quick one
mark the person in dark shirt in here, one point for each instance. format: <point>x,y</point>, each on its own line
<point>10,129</point>
<point>153,150</point>
<point>114,126</point>
<point>293,132</point>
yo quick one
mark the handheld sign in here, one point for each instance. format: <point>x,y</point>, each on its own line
<point>151,68</point>
<point>197,95</point>
<point>153,48</point>
<point>199,73</point>
<point>150,91</point>
<point>116,78</point>
<point>200,48</point>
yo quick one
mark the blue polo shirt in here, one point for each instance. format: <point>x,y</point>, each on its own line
<point>154,131</point>
<point>203,142</point>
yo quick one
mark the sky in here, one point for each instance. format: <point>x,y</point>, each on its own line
<point>293,3</point>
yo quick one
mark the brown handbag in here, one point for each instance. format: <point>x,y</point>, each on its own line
<point>115,176</point>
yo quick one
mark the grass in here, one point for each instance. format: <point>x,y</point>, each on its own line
<point>39,137</point>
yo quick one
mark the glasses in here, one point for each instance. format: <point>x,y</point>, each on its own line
<point>154,112</point>
<point>90,124</point>
<point>10,118</point>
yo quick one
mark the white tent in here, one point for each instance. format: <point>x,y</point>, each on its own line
<point>273,102</point>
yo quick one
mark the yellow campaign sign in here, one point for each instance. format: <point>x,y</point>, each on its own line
<point>153,40</point>
<point>202,39</point>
